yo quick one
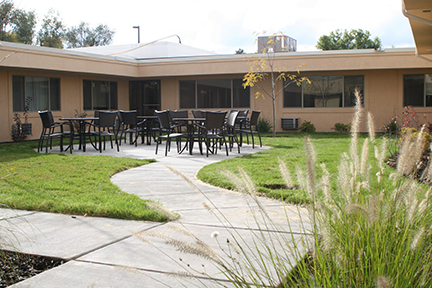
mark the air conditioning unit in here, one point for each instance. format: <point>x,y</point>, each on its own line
<point>290,123</point>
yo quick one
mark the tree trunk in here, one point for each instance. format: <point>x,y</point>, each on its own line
<point>274,116</point>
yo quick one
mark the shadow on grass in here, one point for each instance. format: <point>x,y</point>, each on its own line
<point>19,150</point>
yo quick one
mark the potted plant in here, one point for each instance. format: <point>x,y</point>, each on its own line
<point>16,129</point>
<point>21,130</point>
<point>26,128</point>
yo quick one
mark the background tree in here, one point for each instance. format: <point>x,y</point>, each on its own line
<point>23,26</point>
<point>52,31</point>
<point>83,36</point>
<point>354,39</point>
<point>16,25</point>
<point>264,74</point>
<point>6,8</point>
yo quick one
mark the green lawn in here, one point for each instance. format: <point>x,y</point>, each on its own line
<point>263,167</point>
<point>68,184</point>
<point>74,184</point>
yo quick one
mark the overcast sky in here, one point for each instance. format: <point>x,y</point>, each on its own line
<point>226,25</point>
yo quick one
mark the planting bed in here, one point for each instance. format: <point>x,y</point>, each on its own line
<point>15,267</point>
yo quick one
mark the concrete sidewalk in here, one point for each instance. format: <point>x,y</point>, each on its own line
<point>103,252</point>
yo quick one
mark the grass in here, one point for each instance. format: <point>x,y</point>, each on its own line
<point>263,167</point>
<point>68,184</point>
<point>64,183</point>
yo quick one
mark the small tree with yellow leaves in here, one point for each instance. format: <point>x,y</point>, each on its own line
<point>264,74</point>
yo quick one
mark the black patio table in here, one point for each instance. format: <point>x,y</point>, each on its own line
<point>82,125</point>
<point>190,131</point>
<point>149,122</point>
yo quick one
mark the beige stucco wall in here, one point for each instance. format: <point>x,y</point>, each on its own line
<point>70,92</point>
<point>383,98</point>
<point>383,92</point>
<point>383,73</point>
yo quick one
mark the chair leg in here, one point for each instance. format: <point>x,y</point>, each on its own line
<point>71,140</point>
<point>117,142</point>
<point>61,143</point>
<point>40,142</point>
<point>48,140</point>
<point>259,136</point>
<point>100,143</point>
<point>157,145</point>
<point>136,138</point>
<point>226,147</point>
<point>253,144</point>
<point>167,144</point>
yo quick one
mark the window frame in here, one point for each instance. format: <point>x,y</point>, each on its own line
<point>53,87</point>
<point>234,98</point>
<point>89,100</point>
<point>299,90</point>
<point>425,98</point>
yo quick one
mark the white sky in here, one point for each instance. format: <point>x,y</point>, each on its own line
<point>224,26</point>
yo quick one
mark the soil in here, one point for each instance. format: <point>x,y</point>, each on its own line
<point>15,267</point>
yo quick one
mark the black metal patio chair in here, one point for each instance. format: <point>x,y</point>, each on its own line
<point>248,128</point>
<point>104,127</point>
<point>130,125</point>
<point>230,129</point>
<point>181,125</point>
<point>213,132</point>
<point>52,129</point>
<point>167,131</point>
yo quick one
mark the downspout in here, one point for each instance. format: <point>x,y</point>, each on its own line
<point>413,17</point>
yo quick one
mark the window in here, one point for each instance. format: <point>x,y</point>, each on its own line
<point>418,90</point>
<point>214,93</point>
<point>100,95</point>
<point>323,91</point>
<point>39,93</point>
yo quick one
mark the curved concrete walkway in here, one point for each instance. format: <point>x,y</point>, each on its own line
<point>106,252</point>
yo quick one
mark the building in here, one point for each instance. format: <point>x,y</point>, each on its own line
<point>167,75</point>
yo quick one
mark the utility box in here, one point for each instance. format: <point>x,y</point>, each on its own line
<point>291,123</point>
<point>279,43</point>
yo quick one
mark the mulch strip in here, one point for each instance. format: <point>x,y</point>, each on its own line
<point>15,267</point>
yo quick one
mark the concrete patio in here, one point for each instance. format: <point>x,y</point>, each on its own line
<point>104,252</point>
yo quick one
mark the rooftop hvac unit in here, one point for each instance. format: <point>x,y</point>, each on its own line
<point>290,123</point>
<point>278,43</point>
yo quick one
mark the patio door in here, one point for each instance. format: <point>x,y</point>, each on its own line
<point>144,96</point>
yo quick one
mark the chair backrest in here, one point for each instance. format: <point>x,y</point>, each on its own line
<point>107,118</point>
<point>231,111</point>
<point>129,117</point>
<point>164,118</point>
<point>47,118</point>
<point>198,113</point>
<point>232,117</point>
<point>96,115</point>
<point>254,117</point>
<point>215,120</point>
<point>179,113</point>
<point>243,113</point>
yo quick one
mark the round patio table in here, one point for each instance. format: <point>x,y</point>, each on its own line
<point>190,131</point>
<point>81,133</point>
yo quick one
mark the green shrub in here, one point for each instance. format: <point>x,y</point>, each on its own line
<point>307,127</point>
<point>340,127</point>
<point>392,127</point>
<point>264,125</point>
